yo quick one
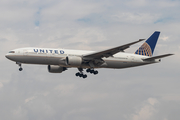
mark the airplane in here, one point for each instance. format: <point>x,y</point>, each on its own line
<point>59,60</point>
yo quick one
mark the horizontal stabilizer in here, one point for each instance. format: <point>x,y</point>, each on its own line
<point>157,57</point>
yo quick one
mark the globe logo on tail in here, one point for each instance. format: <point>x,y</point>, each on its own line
<point>145,50</point>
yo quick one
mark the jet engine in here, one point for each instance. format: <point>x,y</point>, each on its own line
<point>74,60</point>
<point>56,69</point>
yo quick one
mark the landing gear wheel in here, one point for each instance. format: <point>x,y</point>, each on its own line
<point>77,74</point>
<point>84,76</point>
<point>20,69</point>
<point>95,72</point>
<point>91,71</point>
<point>88,70</point>
<point>80,75</point>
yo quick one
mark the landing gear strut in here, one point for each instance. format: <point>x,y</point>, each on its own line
<point>80,73</point>
<point>20,69</point>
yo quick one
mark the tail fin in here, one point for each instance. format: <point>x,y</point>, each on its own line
<point>148,46</point>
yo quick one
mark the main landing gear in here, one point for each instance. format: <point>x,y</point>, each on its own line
<point>20,69</point>
<point>92,71</point>
<point>81,74</point>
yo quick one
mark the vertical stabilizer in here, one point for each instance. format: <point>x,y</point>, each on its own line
<point>149,45</point>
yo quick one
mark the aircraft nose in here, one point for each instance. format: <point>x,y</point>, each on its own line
<point>11,56</point>
<point>8,56</point>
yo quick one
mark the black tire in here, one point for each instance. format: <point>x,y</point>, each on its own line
<point>84,76</point>
<point>80,75</point>
<point>95,72</point>
<point>91,71</point>
<point>20,69</point>
<point>88,70</point>
<point>77,74</point>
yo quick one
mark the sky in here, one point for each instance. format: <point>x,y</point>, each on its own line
<point>140,93</point>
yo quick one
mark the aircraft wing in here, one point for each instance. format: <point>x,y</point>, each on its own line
<point>110,52</point>
<point>157,57</point>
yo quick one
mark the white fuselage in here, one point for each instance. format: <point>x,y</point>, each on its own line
<point>48,56</point>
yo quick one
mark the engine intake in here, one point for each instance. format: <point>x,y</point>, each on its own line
<point>73,60</point>
<point>56,69</point>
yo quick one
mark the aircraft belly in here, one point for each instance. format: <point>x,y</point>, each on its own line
<point>39,60</point>
<point>121,63</point>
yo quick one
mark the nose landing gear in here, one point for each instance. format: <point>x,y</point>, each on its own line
<point>20,69</point>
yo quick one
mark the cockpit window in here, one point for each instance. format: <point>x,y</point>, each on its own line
<point>11,51</point>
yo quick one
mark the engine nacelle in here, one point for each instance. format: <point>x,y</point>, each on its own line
<point>56,69</point>
<point>73,60</point>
